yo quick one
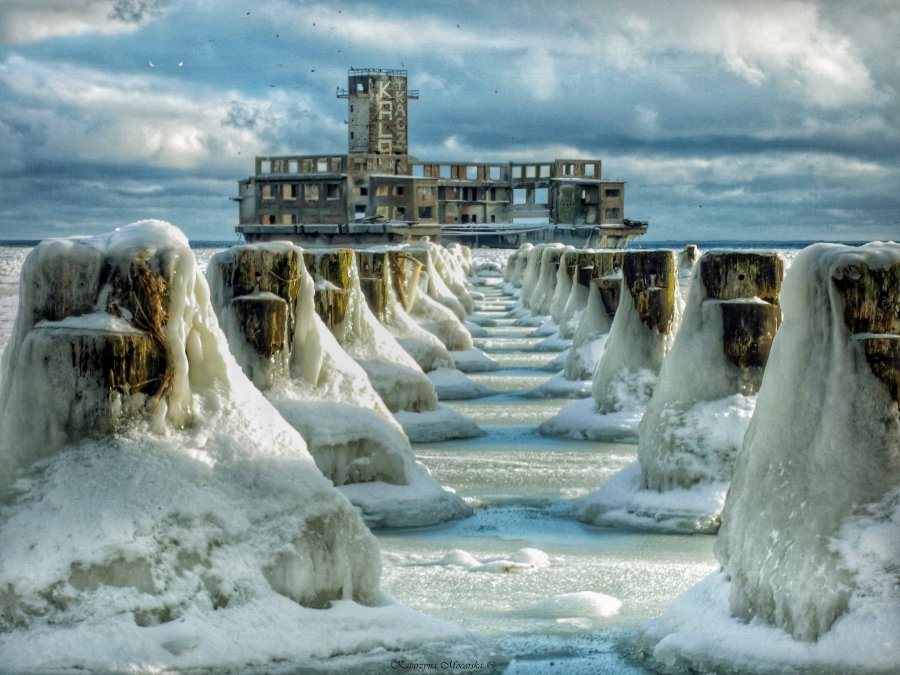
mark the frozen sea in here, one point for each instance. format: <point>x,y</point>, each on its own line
<point>547,593</point>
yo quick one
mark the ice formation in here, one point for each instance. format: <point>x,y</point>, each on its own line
<point>397,378</point>
<point>565,278</point>
<point>522,561</point>
<point>593,300</point>
<point>444,276</point>
<point>810,533</point>
<point>514,270</point>
<point>442,305</point>
<point>695,422</point>
<point>319,389</point>
<point>390,282</point>
<point>157,511</point>
<point>581,604</point>
<point>525,312</point>
<point>382,278</point>
<point>641,334</point>
<point>541,297</point>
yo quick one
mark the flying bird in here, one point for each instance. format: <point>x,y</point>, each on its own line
<point>151,64</point>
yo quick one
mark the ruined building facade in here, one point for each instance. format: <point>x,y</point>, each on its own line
<point>377,191</point>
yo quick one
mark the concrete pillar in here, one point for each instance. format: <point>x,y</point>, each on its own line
<point>649,276</point>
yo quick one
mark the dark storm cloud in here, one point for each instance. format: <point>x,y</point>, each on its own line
<point>773,115</point>
<point>136,11</point>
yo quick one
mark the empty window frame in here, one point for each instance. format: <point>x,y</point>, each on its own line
<point>311,192</point>
<point>332,191</point>
<point>268,195</point>
<point>612,193</point>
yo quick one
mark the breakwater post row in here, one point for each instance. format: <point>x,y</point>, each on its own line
<point>787,399</point>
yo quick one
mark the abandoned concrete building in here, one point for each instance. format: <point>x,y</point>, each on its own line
<point>378,192</point>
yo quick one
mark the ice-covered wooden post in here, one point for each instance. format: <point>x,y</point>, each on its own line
<point>264,284</point>
<point>649,277</point>
<point>539,303</point>
<point>332,269</point>
<point>383,272</point>
<point>871,301</point>
<point>102,324</point>
<point>747,286</point>
<point>820,453</point>
<point>374,277</point>
<point>609,289</point>
<point>592,265</point>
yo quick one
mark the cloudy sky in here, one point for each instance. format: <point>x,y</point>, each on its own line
<point>727,119</point>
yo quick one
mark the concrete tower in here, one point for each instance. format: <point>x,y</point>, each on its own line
<point>377,111</point>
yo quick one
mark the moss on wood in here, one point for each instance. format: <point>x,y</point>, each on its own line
<point>263,320</point>
<point>740,274</point>
<point>649,277</point>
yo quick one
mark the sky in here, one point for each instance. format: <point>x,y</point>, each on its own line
<point>727,119</point>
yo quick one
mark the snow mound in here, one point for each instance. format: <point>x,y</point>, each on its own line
<point>523,560</point>
<point>582,604</point>
<point>810,533</point>
<point>322,392</point>
<point>165,530</point>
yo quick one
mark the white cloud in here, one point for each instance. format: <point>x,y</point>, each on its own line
<point>646,120</point>
<point>538,75</point>
<point>30,20</point>
<point>786,43</point>
<point>85,114</point>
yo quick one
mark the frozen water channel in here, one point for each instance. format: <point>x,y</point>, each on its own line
<point>522,573</point>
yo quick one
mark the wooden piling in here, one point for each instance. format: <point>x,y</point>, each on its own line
<point>649,277</point>
<point>871,312</point>
<point>747,286</point>
<point>332,272</point>
<point>263,318</point>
